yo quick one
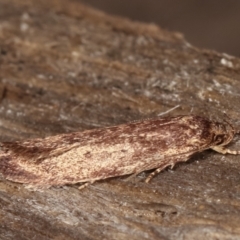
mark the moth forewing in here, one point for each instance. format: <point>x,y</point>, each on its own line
<point>113,151</point>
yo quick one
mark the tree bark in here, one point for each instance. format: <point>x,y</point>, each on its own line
<point>65,67</point>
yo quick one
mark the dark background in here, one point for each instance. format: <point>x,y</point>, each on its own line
<point>212,24</point>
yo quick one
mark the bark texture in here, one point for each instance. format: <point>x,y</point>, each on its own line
<point>65,67</point>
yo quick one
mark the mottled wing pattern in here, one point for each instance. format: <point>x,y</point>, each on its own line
<point>107,152</point>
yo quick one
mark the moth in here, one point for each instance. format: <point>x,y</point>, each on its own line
<point>88,156</point>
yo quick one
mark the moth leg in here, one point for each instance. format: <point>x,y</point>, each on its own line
<point>223,150</point>
<point>133,175</point>
<point>147,166</point>
<point>85,185</point>
<point>158,170</point>
<point>151,175</point>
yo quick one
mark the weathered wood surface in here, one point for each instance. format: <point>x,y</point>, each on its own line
<point>65,67</point>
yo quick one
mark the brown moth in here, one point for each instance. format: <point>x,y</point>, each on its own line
<point>113,151</point>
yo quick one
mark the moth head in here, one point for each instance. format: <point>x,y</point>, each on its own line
<point>223,133</point>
